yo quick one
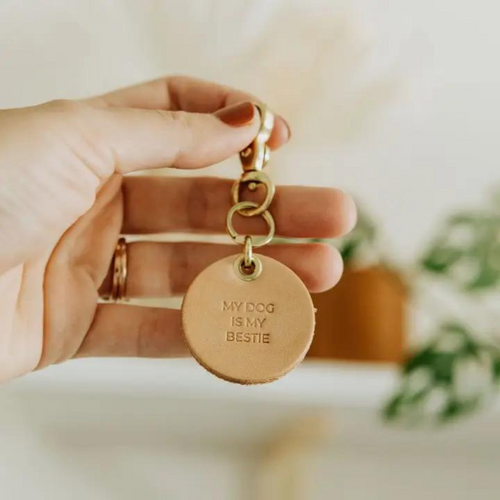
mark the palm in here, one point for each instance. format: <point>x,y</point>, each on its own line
<point>76,271</point>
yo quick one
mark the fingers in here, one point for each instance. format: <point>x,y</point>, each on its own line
<point>167,269</point>
<point>124,330</point>
<point>141,139</point>
<point>175,204</point>
<point>181,93</point>
<point>175,93</point>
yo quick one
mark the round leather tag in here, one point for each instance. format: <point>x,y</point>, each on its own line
<point>249,332</point>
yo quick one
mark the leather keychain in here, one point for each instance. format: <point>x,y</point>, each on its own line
<point>248,318</point>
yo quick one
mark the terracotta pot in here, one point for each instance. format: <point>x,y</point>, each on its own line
<point>363,318</point>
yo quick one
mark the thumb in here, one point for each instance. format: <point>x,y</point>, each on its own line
<point>142,139</point>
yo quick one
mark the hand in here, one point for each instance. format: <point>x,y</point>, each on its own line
<point>64,201</point>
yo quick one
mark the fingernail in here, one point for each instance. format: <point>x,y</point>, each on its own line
<point>237,115</point>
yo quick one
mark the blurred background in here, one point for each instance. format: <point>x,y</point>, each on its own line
<point>395,102</point>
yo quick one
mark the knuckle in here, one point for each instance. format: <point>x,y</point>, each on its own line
<point>78,124</point>
<point>64,114</point>
<point>66,106</point>
<point>183,128</point>
<point>174,118</point>
<point>180,117</point>
<point>182,266</point>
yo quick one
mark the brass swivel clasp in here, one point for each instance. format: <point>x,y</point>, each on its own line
<point>256,155</point>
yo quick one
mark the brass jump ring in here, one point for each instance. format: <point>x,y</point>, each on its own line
<point>258,177</point>
<point>257,242</point>
<point>248,252</point>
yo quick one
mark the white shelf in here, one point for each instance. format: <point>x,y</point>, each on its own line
<point>179,400</point>
<point>312,382</point>
<point>73,420</point>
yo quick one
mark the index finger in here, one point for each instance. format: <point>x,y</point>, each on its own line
<point>183,93</point>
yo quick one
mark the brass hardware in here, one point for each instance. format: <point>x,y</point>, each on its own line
<point>256,155</point>
<point>254,158</point>
<point>253,179</point>
<point>244,273</point>
<point>238,238</point>
<point>248,252</point>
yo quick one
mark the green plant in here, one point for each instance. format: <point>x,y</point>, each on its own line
<point>455,373</point>
<point>458,371</point>
<point>360,241</point>
<point>450,377</point>
<point>468,252</point>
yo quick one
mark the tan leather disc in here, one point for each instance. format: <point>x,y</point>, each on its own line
<point>249,332</point>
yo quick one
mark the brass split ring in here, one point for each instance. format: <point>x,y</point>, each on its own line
<point>266,215</point>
